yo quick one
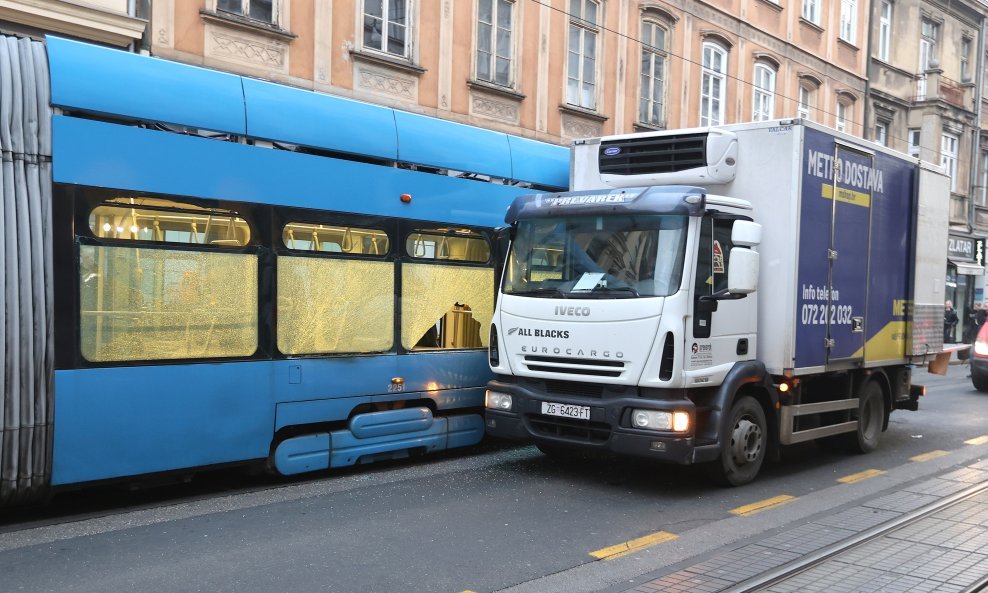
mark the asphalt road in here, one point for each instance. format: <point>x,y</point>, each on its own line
<point>497,518</point>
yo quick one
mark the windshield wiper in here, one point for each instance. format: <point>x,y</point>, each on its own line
<point>540,292</point>
<point>602,288</point>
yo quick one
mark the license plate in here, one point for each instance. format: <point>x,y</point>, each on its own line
<point>566,410</point>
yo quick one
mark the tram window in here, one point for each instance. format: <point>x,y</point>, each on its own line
<point>448,244</point>
<point>330,238</point>
<point>159,304</point>
<point>445,307</point>
<point>153,219</point>
<point>333,305</point>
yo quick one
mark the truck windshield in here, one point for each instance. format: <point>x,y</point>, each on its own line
<point>614,256</point>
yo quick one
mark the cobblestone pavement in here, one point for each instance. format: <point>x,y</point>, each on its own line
<point>943,551</point>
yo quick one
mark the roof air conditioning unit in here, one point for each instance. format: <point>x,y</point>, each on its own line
<point>681,157</point>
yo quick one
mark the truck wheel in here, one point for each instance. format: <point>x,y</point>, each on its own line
<point>742,446</point>
<point>871,417</point>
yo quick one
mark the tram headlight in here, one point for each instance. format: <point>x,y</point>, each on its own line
<point>498,401</point>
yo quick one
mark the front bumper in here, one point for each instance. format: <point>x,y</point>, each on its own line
<point>608,428</point>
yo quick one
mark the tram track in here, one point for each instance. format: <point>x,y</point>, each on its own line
<point>768,579</point>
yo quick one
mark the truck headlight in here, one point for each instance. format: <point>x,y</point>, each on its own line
<point>653,420</point>
<point>498,401</point>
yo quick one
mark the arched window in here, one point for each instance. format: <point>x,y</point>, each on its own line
<point>713,84</point>
<point>806,99</point>
<point>651,101</point>
<point>843,111</point>
<point>763,101</point>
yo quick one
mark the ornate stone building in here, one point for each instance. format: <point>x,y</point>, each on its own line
<point>109,22</point>
<point>548,69</point>
<point>927,98</point>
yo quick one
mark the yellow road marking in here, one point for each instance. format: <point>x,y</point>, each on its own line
<point>634,545</point>
<point>757,507</point>
<point>929,456</point>
<point>868,473</point>
<point>978,441</point>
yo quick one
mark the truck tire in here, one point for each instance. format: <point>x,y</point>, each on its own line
<point>743,444</point>
<point>871,418</point>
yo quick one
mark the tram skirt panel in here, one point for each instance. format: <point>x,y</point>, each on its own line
<point>26,345</point>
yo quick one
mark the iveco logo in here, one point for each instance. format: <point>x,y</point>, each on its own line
<point>572,311</point>
<point>612,150</point>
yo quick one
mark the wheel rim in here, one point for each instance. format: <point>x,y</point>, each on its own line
<point>746,441</point>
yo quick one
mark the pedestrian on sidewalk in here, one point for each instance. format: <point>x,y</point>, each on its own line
<point>949,323</point>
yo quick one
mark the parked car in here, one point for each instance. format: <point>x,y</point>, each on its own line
<point>979,360</point>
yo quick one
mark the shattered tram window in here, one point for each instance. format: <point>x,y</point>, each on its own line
<point>160,304</point>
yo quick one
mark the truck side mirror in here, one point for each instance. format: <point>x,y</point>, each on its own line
<point>745,233</point>
<point>742,273</point>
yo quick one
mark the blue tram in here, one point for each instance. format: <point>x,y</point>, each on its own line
<point>201,269</point>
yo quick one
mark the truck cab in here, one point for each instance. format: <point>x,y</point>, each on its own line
<point>620,314</point>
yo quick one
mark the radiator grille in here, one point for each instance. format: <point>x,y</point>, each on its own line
<point>573,430</point>
<point>662,154</point>
<point>575,366</point>
<point>595,390</point>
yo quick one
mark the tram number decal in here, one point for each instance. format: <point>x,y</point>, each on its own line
<point>396,387</point>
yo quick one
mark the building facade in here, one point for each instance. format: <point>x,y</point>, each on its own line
<point>117,23</point>
<point>548,69</point>
<point>927,99</point>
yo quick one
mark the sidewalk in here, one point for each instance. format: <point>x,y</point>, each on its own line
<point>945,551</point>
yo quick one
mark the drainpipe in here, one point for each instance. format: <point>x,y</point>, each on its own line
<point>867,130</point>
<point>979,86</point>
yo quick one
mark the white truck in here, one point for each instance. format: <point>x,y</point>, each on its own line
<point>706,296</point>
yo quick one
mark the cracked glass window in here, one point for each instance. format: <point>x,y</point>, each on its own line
<point>329,305</point>
<point>445,307</point>
<point>158,304</point>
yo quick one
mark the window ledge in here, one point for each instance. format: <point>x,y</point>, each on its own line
<point>583,112</point>
<point>245,23</point>
<point>772,4</point>
<point>504,91</point>
<point>810,24</point>
<point>847,44</point>
<point>641,126</point>
<point>390,62</point>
